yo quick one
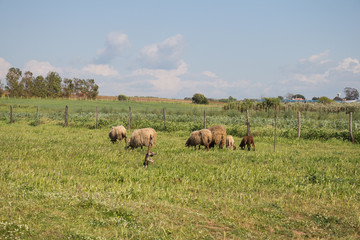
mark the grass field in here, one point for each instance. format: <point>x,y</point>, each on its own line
<point>72,183</point>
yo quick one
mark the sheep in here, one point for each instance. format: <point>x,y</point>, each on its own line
<point>117,133</point>
<point>247,140</point>
<point>230,142</point>
<point>200,137</point>
<point>142,137</point>
<point>218,136</point>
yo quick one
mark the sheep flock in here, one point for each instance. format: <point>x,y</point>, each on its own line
<point>146,137</point>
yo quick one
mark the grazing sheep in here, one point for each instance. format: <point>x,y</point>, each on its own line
<point>230,142</point>
<point>200,137</point>
<point>248,140</point>
<point>117,133</point>
<point>218,136</point>
<point>142,137</point>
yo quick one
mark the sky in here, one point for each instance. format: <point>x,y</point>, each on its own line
<point>173,49</point>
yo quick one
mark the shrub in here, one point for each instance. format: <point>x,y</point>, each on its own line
<point>122,97</point>
<point>199,99</point>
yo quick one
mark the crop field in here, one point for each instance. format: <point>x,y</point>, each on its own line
<point>71,182</point>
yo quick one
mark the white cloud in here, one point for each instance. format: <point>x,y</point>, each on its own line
<point>312,78</point>
<point>350,65</point>
<point>166,82</point>
<point>4,68</point>
<point>317,58</point>
<point>209,74</point>
<point>100,70</point>
<point>116,43</point>
<point>40,68</point>
<point>164,55</point>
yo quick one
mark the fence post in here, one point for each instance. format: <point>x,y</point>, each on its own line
<point>66,115</point>
<point>37,115</point>
<point>299,124</point>
<point>130,117</point>
<point>275,128</point>
<point>96,118</point>
<point>11,114</point>
<point>204,118</point>
<point>350,128</point>
<point>248,122</point>
<point>164,111</point>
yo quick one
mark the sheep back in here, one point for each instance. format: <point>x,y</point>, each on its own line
<point>230,142</point>
<point>143,137</point>
<point>117,133</point>
<point>218,136</point>
<point>200,137</point>
<point>194,139</point>
<point>248,141</point>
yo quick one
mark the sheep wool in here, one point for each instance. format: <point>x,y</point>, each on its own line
<point>117,133</point>
<point>142,137</point>
<point>218,136</point>
<point>201,137</point>
<point>230,142</point>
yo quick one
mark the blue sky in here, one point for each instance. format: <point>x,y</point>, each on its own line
<point>173,49</point>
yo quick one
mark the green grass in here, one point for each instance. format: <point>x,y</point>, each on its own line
<point>72,183</point>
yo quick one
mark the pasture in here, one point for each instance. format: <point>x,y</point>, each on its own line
<point>73,183</point>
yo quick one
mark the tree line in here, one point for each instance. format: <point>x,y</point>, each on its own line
<point>27,85</point>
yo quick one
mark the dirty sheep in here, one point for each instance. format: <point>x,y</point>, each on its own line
<point>201,137</point>
<point>142,137</point>
<point>218,136</point>
<point>117,133</point>
<point>248,140</point>
<point>230,142</point>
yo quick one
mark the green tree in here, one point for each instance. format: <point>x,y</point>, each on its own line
<point>39,89</point>
<point>199,98</point>
<point>28,83</point>
<point>271,102</point>
<point>91,89</point>
<point>351,93</point>
<point>325,100</point>
<point>67,87</point>
<point>14,87</point>
<point>53,84</point>
<point>1,89</point>
<point>298,96</point>
<point>122,97</point>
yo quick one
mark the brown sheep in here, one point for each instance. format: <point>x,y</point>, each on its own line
<point>248,140</point>
<point>230,142</point>
<point>117,133</point>
<point>218,136</point>
<point>142,137</point>
<point>201,137</point>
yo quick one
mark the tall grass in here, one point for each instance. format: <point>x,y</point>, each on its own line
<point>72,183</point>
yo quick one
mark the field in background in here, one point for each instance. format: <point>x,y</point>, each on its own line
<point>71,183</point>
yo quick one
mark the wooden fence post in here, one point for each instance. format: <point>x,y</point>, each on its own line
<point>248,122</point>
<point>299,124</point>
<point>350,128</point>
<point>130,117</point>
<point>275,128</point>
<point>11,114</point>
<point>204,118</point>
<point>96,118</point>
<point>164,112</point>
<point>66,116</point>
<point>37,115</point>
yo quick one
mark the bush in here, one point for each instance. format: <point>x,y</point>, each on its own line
<point>199,99</point>
<point>122,97</point>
